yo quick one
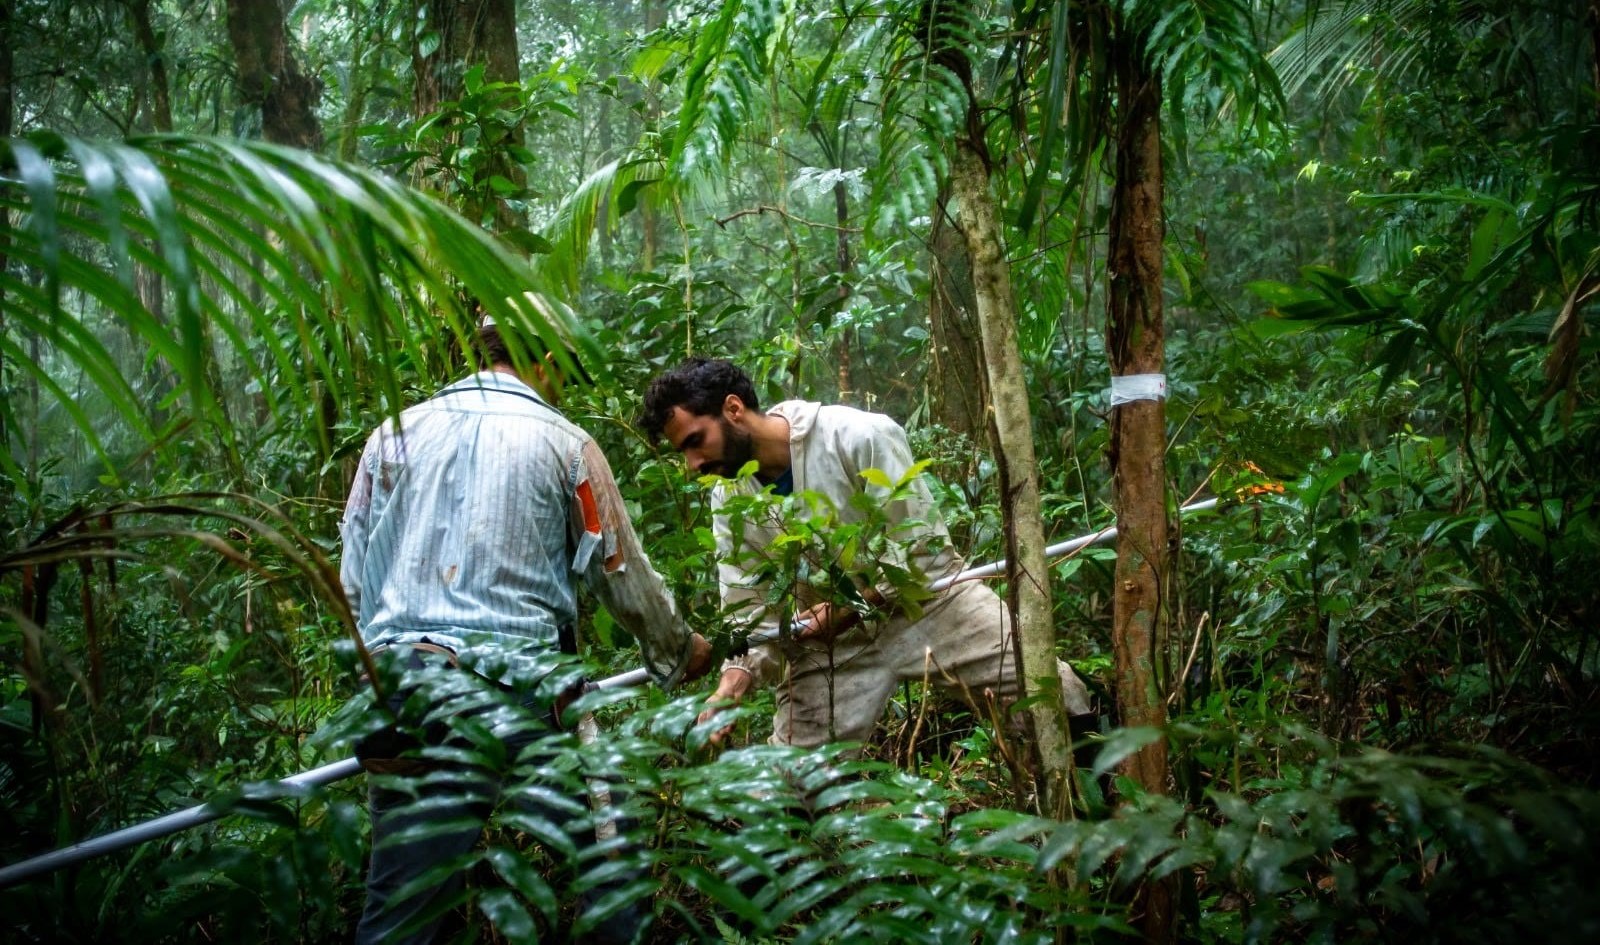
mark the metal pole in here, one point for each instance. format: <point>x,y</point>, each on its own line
<point>339,770</point>
<point>1057,550</point>
<point>160,827</point>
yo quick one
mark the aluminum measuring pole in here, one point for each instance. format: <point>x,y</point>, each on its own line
<point>339,770</point>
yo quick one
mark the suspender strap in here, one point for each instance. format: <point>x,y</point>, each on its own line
<point>448,391</point>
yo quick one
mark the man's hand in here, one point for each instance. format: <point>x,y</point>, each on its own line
<point>731,688</point>
<point>699,657</point>
<point>824,622</point>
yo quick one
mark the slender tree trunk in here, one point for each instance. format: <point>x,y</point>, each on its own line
<point>157,116</point>
<point>847,268</point>
<point>1135,344</point>
<point>269,75</point>
<point>955,380</point>
<point>160,89</point>
<point>655,16</point>
<point>1594,51</point>
<point>365,40</point>
<point>7,104</point>
<point>606,144</point>
<point>7,68</point>
<point>1028,571</point>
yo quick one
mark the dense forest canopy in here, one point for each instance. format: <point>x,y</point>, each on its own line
<point>1359,240</point>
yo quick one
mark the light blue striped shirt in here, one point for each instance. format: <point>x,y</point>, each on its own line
<point>469,517</point>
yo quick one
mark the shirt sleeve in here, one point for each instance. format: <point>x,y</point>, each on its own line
<point>918,540</point>
<point>614,565</point>
<point>742,600</point>
<point>353,528</point>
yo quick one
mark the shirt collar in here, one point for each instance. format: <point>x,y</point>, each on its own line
<point>497,380</point>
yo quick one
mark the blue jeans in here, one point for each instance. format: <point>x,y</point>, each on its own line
<point>457,798</point>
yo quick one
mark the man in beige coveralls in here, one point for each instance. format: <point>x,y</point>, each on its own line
<point>708,411</point>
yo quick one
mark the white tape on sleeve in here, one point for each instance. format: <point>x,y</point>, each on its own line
<point>1131,387</point>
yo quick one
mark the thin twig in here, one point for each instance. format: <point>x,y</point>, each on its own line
<point>1194,647</point>
<point>922,712</point>
<point>766,208</point>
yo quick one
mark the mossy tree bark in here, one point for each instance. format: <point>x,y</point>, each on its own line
<point>471,32</point>
<point>270,78</point>
<point>1028,571</point>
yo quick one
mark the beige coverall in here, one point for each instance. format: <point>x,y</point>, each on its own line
<point>838,690</point>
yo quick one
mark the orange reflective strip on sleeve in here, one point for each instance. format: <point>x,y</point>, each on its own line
<point>591,511</point>
<point>591,521</point>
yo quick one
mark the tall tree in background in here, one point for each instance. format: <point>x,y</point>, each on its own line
<point>7,107</point>
<point>158,89</point>
<point>156,112</point>
<point>955,377</point>
<point>270,77</point>
<point>452,38</point>
<point>455,34</point>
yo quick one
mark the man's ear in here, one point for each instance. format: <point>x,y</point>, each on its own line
<point>733,408</point>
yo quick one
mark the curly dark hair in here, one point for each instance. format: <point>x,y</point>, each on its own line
<point>699,386</point>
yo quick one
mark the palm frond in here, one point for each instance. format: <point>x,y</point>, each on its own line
<point>282,278</point>
<point>729,61</point>
<point>613,190</point>
<point>1335,46</point>
<point>1212,46</point>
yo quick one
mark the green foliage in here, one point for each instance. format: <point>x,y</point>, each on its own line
<point>469,150</point>
<point>780,844</point>
<point>323,281</point>
<point>1412,427</point>
<point>1438,849</point>
<point>836,554</point>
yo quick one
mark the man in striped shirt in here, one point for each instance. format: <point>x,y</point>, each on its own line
<point>471,519</point>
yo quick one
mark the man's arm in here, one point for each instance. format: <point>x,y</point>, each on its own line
<point>616,568</point>
<point>741,596</point>
<point>918,541</point>
<point>353,529</point>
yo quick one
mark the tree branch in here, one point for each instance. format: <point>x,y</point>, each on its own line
<point>765,208</point>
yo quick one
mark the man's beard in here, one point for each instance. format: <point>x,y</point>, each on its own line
<point>738,448</point>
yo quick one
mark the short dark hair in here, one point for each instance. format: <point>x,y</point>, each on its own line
<point>491,348</point>
<point>699,386</point>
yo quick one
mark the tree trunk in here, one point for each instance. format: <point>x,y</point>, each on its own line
<point>1135,345</point>
<point>1594,47</point>
<point>7,103</point>
<point>366,41</point>
<point>847,269</point>
<point>607,145</point>
<point>270,77</point>
<point>955,378</point>
<point>472,32</point>
<point>655,16</point>
<point>160,89</point>
<point>1028,572</point>
<point>147,282</point>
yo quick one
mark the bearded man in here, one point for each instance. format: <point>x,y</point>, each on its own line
<point>835,675</point>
